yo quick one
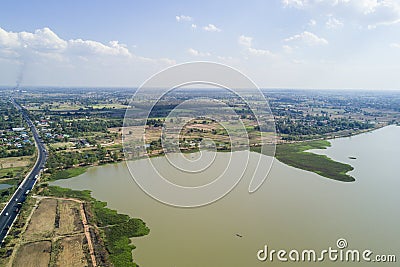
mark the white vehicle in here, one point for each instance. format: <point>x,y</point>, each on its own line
<point>6,213</point>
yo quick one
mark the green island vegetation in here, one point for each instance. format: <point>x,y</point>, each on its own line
<point>296,155</point>
<point>116,229</point>
<point>66,173</point>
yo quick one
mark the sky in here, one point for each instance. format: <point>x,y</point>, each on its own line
<point>319,44</point>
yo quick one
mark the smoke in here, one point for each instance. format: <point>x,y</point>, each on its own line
<point>24,58</point>
<point>20,76</point>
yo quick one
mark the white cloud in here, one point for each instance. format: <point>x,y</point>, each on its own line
<point>194,26</point>
<point>312,22</point>
<point>247,43</point>
<point>114,48</point>
<point>45,41</point>
<point>183,18</point>
<point>383,23</point>
<point>245,40</point>
<point>307,38</point>
<point>259,52</point>
<point>395,45</point>
<point>287,48</point>
<point>295,3</point>
<point>48,56</point>
<point>364,6</point>
<point>375,12</point>
<point>333,23</point>
<point>211,28</point>
<point>42,39</point>
<point>369,13</point>
<point>196,53</point>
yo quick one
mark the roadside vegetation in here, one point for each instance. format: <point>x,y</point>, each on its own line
<point>12,172</point>
<point>15,233</point>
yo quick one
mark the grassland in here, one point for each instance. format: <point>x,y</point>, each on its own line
<point>67,173</point>
<point>295,155</point>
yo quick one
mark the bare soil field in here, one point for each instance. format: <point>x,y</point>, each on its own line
<point>33,254</point>
<point>15,162</point>
<point>55,236</point>
<point>69,219</point>
<point>72,252</point>
<point>42,222</point>
<point>115,129</point>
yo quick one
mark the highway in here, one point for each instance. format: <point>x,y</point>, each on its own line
<point>11,210</point>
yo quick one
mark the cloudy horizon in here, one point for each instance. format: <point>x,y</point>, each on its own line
<point>336,44</point>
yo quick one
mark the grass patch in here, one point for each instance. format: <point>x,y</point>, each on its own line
<point>11,181</point>
<point>56,191</point>
<point>5,194</point>
<point>105,216</point>
<point>118,242</point>
<point>11,172</point>
<point>67,173</point>
<point>294,155</point>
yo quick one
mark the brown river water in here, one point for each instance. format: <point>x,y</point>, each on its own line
<point>293,209</point>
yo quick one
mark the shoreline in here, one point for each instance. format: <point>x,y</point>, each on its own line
<point>83,169</point>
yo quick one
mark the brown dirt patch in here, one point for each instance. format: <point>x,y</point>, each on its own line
<point>72,252</point>
<point>69,219</point>
<point>41,224</point>
<point>15,161</point>
<point>33,254</point>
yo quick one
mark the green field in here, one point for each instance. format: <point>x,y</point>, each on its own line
<point>13,172</point>
<point>67,173</point>
<point>295,155</point>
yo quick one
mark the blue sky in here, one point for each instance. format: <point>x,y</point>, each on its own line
<point>279,44</point>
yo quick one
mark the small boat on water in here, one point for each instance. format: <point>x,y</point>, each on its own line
<point>238,235</point>
<point>352,158</point>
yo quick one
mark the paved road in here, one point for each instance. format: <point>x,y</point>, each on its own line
<point>10,211</point>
